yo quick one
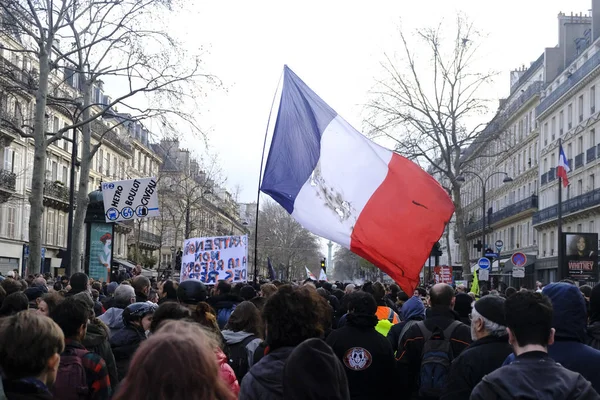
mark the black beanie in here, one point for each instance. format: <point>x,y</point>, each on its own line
<point>313,372</point>
<point>491,308</point>
<point>247,293</point>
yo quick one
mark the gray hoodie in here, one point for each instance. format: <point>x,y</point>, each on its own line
<point>232,337</point>
<point>113,318</point>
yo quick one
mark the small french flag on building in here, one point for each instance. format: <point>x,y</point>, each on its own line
<point>563,167</point>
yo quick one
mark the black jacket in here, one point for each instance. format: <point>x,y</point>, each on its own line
<point>409,358</point>
<point>264,381</point>
<point>123,344</point>
<point>534,375</point>
<point>26,390</point>
<point>140,297</point>
<point>482,357</point>
<point>593,335</point>
<point>367,358</point>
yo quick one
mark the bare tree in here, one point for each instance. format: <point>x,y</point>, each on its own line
<point>289,246</point>
<point>93,40</point>
<point>429,105</point>
<point>351,267</point>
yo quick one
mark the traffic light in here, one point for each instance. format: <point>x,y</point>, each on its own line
<point>323,265</point>
<point>436,250</point>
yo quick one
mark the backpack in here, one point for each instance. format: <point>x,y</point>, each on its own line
<point>405,329</point>
<point>237,357</point>
<point>436,358</point>
<point>71,379</point>
<point>223,316</point>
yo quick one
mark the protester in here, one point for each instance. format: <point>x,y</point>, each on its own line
<point>79,282</point>
<point>13,303</point>
<point>349,288</point>
<point>223,302</point>
<point>243,334</point>
<point>109,300</point>
<point>72,316</point>
<point>267,290</point>
<point>441,332</point>
<point>412,312</point>
<point>533,374</point>
<point>487,353</point>
<point>11,286</point>
<point>462,306</point>
<point>113,317</point>
<point>156,370</point>
<point>48,302</point>
<point>365,353</point>
<point>30,347</point>
<point>247,293</point>
<point>141,285</point>
<point>593,330</point>
<point>167,291</point>
<point>191,292</point>
<point>313,372</point>
<point>291,316</point>
<point>169,311</point>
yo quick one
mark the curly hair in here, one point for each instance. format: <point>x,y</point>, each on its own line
<point>293,315</point>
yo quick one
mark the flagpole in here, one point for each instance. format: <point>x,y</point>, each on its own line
<point>559,272</point>
<point>262,160</point>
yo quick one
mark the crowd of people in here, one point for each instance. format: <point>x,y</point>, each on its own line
<point>74,338</point>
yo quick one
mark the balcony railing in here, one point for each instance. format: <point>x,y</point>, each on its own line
<point>591,155</point>
<point>590,65</point>
<point>579,161</point>
<point>146,238</point>
<point>8,180</point>
<point>551,175</point>
<point>586,200</point>
<point>507,212</point>
<point>544,178</point>
<point>56,191</point>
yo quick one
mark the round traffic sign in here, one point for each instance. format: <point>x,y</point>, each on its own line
<point>483,263</point>
<point>518,259</point>
<point>499,244</point>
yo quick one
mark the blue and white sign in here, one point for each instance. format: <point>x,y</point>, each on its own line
<point>130,199</point>
<point>483,263</point>
<point>43,252</point>
<point>499,245</point>
<point>491,254</point>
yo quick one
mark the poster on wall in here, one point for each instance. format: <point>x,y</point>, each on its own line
<point>100,251</point>
<point>581,254</point>
<point>443,274</point>
<point>211,259</point>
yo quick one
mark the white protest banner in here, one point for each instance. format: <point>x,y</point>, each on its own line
<point>211,259</point>
<point>130,199</point>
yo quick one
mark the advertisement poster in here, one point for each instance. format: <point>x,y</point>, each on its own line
<point>443,274</point>
<point>101,235</point>
<point>211,259</point>
<point>130,199</point>
<point>581,253</point>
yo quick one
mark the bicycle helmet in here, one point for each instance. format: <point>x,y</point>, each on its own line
<point>191,292</point>
<point>137,311</point>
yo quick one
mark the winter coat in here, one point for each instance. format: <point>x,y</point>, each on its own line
<point>264,381</point>
<point>124,343</point>
<point>412,310</point>
<point>482,357</point>
<point>113,318</point>
<point>223,301</point>
<point>26,389</point>
<point>593,335</point>
<point>96,340</point>
<point>235,338</point>
<point>227,373</point>
<point>409,360</point>
<point>367,357</point>
<point>570,319</point>
<point>534,375</point>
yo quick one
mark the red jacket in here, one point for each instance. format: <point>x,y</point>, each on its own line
<point>227,373</point>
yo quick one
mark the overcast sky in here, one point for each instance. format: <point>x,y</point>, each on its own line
<point>336,47</point>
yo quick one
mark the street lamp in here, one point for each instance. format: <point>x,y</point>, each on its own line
<point>484,182</point>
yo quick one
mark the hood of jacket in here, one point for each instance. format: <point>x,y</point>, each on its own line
<point>113,318</point>
<point>224,301</point>
<point>232,337</point>
<point>268,372</point>
<point>413,307</point>
<point>569,316</point>
<point>127,336</point>
<point>96,333</point>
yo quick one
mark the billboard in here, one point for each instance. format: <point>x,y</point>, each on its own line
<point>130,199</point>
<point>581,254</point>
<point>211,259</point>
<point>100,251</point>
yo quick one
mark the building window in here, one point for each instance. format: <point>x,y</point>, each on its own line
<point>546,134</point>
<point>591,182</point>
<point>561,122</point>
<point>569,116</point>
<point>592,99</point>
<point>592,227</point>
<point>50,227</point>
<point>580,107</point>
<point>579,187</point>
<point>551,243</point>
<point>11,233</point>
<point>553,128</point>
<point>26,223</point>
<point>592,138</point>
<point>579,228</point>
<point>61,230</point>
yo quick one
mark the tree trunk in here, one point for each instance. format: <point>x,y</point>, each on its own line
<point>84,174</point>
<point>460,228</point>
<point>448,244</point>
<point>36,198</point>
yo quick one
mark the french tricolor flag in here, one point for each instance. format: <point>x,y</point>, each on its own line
<point>341,186</point>
<point>563,167</point>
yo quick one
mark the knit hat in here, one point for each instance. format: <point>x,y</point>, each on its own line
<point>111,287</point>
<point>247,292</point>
<point>462,304</point>
<point>308,367</point>
<point>492,308</point>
